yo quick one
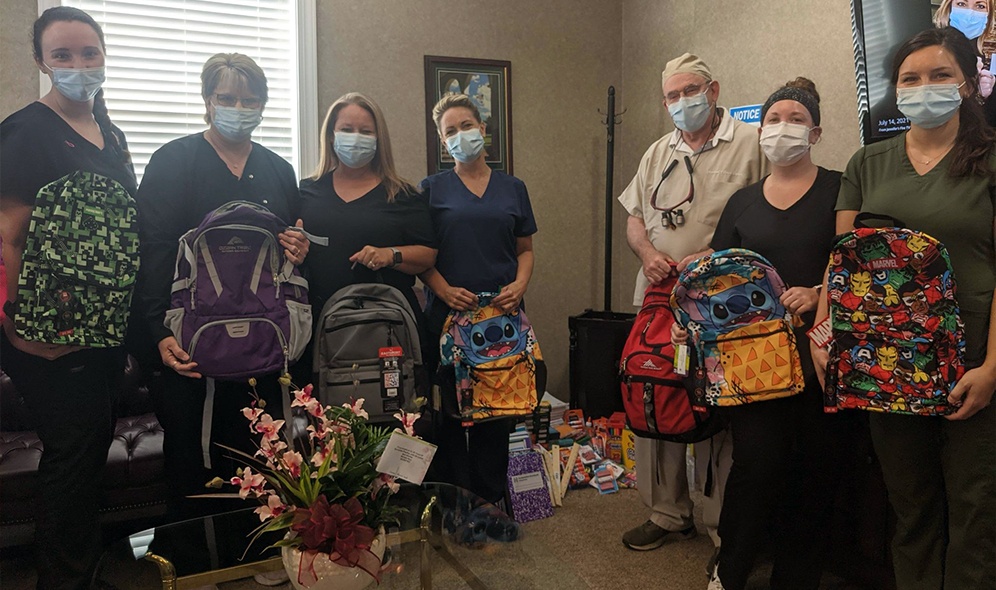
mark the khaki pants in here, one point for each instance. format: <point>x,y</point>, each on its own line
<point>941,478</point>
<point>662,480</point>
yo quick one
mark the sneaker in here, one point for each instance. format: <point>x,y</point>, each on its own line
<point>649,536</point>
<point>274,578</point>
<point>714,583</point>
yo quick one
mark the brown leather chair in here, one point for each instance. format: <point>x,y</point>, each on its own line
<point>134,484</point>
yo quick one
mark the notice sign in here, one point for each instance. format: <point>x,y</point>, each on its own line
<point>750,114</point>
<point>406,457</point>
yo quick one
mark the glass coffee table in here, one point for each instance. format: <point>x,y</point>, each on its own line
<point>447,538</point>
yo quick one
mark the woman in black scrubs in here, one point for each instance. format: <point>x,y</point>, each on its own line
<point>68,388</point>
<point>185,180</point>
<point>378,226</point>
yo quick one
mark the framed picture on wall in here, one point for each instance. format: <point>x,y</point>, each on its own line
<point>488,83</point>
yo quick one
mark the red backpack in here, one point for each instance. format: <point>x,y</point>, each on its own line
<point>657,402</point>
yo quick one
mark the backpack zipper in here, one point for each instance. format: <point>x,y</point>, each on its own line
<point>276,328</point>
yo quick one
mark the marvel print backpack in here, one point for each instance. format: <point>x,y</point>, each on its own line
<point>238,307</point>
<point>367,346</point>
<point>79,264</point>
<point>493,356</point>
<point>657,401</point>
<point>898,341</point>
<point>729,302</point>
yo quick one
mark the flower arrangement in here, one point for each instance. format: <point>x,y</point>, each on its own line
<point>322,485</point>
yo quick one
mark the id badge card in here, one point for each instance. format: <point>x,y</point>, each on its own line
<point>390,377</point>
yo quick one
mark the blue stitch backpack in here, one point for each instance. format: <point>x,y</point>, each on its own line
<point>729,301</point>
<point>493,357</point>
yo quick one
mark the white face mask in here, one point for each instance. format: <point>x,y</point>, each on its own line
<point>785,144</point>
<point>78,84</point>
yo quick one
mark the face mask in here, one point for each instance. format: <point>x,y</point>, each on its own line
<point>234,123</point>
<point>355,150</point>
<point>79,84</point>
<point>690,113</point>
<point>785,144</point>
<point>970,22</point>
<point>930,105</point>
<point>465,146</point>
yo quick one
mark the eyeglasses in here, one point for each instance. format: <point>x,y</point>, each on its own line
<point>673,217</point>
<point>228,100</point>
<point>690,90</point>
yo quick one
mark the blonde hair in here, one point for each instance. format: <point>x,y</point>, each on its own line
<point>449,101</point>
<point>232,66</point>
<point>383,162</point>
<point>942,18</point>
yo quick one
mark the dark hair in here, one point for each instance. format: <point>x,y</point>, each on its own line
<point>974,142</point>
<point>70,14</point>
<point>801,90</point>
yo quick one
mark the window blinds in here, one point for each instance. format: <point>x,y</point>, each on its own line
<point>155,52</point>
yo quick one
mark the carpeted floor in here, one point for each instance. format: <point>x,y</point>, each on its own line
<point>583,537</point>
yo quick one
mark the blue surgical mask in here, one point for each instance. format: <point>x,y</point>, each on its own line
<point>78,84</point>
<point>971,23</point>
<point>234,123</point>
<point>465,146</point>
<point>690,113</point>
<point>355,150</point>
<point>930,105</point>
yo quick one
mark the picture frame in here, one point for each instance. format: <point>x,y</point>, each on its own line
<point>488,82</point>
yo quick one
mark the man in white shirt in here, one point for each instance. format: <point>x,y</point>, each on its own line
<point>663,230</point>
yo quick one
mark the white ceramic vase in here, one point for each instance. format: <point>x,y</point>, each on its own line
<point>332,576</point>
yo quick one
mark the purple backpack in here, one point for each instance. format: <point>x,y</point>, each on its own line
<point>238,308</point>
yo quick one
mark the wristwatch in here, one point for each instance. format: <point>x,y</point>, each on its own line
<point>397,257</point>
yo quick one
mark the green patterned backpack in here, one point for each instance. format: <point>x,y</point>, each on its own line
<point>79,264</point>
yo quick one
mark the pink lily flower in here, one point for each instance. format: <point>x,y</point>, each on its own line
<point>249,483</point>
<point>357,408</point>
<point>408,421</point>
<point>272,509</point>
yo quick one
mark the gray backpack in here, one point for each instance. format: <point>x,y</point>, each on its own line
<point>356,325</point>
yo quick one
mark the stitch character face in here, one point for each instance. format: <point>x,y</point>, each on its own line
<point>492,338</point>
<point>743,304</point>
<point>888,356</point>
<point>860,283</point>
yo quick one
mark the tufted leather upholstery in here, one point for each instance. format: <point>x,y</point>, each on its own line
<point>133,480</point>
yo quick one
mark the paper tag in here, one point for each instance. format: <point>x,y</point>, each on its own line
<point>527,482</point>
<point>681,359</point>
<point>406,457</point>
<point>822,333</point>
<point>390,375</point>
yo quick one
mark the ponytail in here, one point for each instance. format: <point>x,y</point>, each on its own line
<point>107,128</point>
